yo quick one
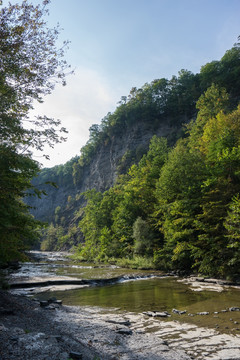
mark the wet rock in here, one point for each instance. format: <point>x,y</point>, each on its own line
<point>203,313</point>
<point>17,331</point>
<point>180,312</point>
<point>211,281</point>
<point>14,265</point>
<point>125,323</point>
<point>44,303</point>
<point>14,338</point>
<point>6,311</point>
<point>54,301</point>
<point>148,313</point>
<point>51,307</point>
<point>123,331</point>
<point>50,304</point>
<point>58,302</point>
<point>234,308</point>
<point>3,328</point>
<point>75,355</point>
<point>57,337</point>
<point>163,314</point>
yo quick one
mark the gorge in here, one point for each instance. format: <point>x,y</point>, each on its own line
<point>146,185</point>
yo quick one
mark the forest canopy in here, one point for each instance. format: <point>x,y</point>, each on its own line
<point>177,208</point>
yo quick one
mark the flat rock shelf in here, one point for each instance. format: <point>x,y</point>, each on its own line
<point>56,309</point>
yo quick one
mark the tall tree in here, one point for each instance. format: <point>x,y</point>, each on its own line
<point>30,66</point>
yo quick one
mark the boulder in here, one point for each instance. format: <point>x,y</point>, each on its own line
<point>180,312</point>
<point>203,313</point>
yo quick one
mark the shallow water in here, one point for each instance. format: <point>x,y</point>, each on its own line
<point>152,294</point>
<point>163,294</point>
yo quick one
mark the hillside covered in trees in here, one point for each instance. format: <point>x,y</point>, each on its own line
<point>173,201</point>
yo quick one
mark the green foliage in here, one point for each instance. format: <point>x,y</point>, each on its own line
<point>136,262</point>
<point>150,105</point>
<point>172,209</point>
<point>108,218</point>
<point>195,188</point>
<point>233,235</point>
<point>224,73</point>
<point>31,65</point>
<point>143,239</point>
<point>175,207</point>
<point>174,100</point>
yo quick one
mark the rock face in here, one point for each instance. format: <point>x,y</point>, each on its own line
<point>102,171</point>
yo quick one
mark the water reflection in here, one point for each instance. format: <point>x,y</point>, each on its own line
<point>142,295</point>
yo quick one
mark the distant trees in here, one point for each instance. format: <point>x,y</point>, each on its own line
<point>30,66</point>
<point>164,100</point>
<point>178,206</point>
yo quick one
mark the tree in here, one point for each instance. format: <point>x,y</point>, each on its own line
<point>30,66</point>
<point>143,238</point>
<point>221,146</point>
<point>232,225</point>
<point>178,193</point>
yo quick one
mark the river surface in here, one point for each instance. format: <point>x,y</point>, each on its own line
<point>136,291</point>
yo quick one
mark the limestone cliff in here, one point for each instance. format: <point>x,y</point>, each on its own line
<point>113,157</point>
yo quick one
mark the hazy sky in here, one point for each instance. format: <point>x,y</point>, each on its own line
<point>120,44</point>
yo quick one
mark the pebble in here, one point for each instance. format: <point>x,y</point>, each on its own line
<point>203,313</point>
<point>180,312</point>
<point>157,314</point>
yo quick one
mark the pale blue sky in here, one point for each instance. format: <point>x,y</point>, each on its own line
<point>135,41</point>
<point>120,44</point>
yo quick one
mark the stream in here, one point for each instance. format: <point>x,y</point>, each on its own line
<point>135,291</point>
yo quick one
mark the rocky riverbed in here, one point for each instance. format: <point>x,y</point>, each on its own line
<point>31,332</point>
<point>57,332</point>
<point>118,314</point>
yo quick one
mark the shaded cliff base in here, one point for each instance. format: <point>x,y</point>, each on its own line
<point>55,332</point>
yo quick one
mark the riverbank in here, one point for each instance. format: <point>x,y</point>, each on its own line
<point>115,313</point>
<point>31,332</point>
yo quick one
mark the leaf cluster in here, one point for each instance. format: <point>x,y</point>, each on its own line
<point>31,65</point>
